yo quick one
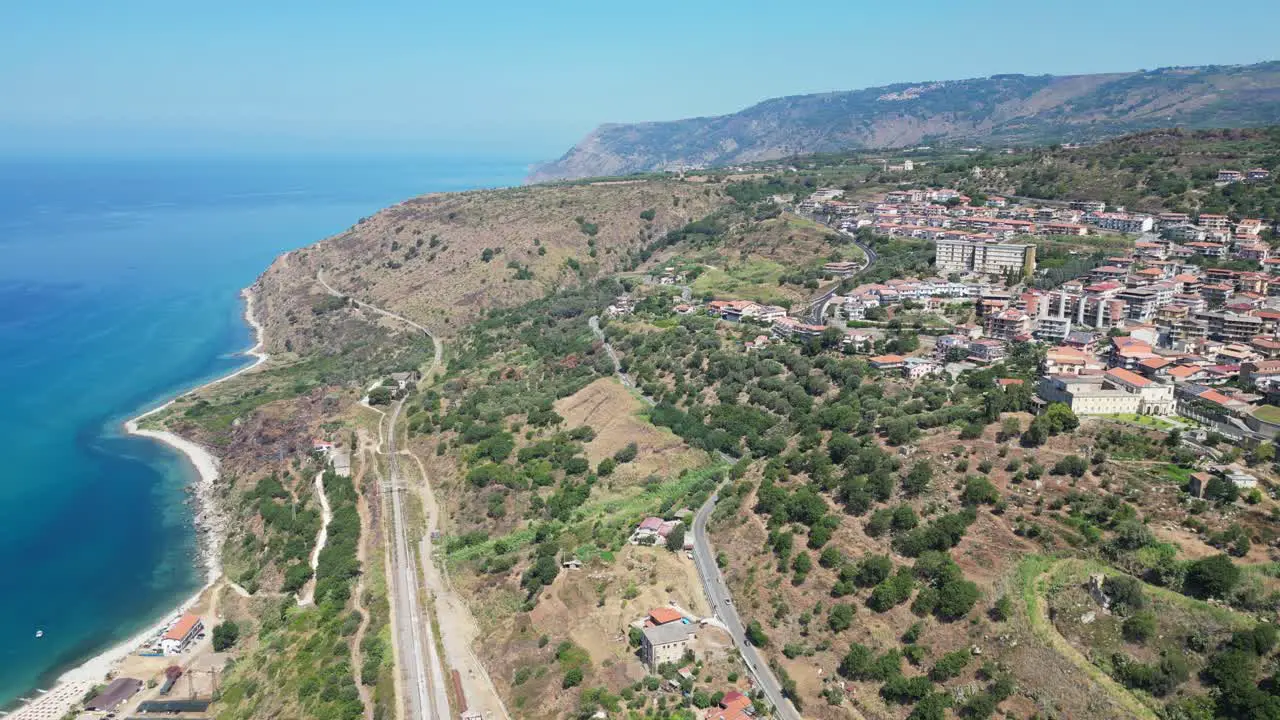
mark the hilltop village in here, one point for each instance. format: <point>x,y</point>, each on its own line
<point>1183,323</point>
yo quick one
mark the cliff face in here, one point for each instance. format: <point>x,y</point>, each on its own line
<point>442,259</point>
<point>1001,108</point>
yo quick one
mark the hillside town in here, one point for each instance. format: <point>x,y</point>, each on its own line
<point>1166,329</point>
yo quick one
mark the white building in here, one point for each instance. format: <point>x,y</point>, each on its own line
<point>1121,222</point>
<point>665,643</point>
<point>179,636</point>
<point>988,258</point>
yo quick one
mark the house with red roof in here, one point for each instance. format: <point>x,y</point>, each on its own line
<point>733,706</point>
<point>181,633</point>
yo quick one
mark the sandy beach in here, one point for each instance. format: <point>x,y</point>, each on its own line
<point>210,525</point>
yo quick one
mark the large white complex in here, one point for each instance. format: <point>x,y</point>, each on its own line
<point>991,258</point>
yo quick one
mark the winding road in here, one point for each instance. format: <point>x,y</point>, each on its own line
<point>712,579</point>
<point>722,606</point>
<point>625,379</point>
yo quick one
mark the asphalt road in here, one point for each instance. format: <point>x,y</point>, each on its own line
<point>625,379</point>
<point>818,305</point>
<point>722,606</point>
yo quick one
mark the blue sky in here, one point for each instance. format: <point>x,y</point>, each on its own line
<point>529,78</point>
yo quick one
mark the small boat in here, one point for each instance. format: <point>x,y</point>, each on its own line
<point>39,634</point>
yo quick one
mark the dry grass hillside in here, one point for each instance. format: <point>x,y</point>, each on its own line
<point>445,258</point>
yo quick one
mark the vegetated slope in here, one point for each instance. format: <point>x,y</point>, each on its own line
<point>440,259</point>
<point>1001,108</point>
<point>1169,169</point>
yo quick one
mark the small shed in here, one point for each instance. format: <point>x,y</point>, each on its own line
<point>1197,483</point>
<point>120,689</point>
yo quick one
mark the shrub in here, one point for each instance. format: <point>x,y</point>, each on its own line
<point>225,635</point>
<point>955,599</point>
<point>979,490</point>
<point>949,665</point>
<point>831,558</point>
<point>1259,641</point>
<point>1125,593</point>
<point>1139,627</point>
<point>872,570</point>
<point>891,592</point>
<point>904,690</point>
<point>856,662</point>
<point>626,454</point>
<point>572,678</point>
<point>841,617</point>
<point>1072,465</point>
<point>1003,609</point>
<point>917,481</point>
<point>1214,576</point>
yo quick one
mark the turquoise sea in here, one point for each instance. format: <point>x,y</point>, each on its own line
<point>119,287</point>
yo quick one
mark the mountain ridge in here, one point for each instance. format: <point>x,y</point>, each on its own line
<point>1005,108</point>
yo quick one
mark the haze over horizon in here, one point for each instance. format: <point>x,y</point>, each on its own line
<point>504,77</point>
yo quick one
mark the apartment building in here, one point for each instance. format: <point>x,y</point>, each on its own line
<point>1121,222</point>
<point>1008,324</point>
<point>1231,327</point>
<point>988,258</point>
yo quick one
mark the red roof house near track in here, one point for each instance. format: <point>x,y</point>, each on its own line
<point>181,634</point>
<point>664,615</point>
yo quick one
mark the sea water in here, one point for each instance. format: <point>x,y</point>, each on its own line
<point>119,286</point>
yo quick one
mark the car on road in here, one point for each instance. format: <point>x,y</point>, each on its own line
<point>728,601</point>
<point>689,554</point>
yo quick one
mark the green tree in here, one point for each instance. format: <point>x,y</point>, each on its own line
<point>956,599</point>
<point>841,617</point>
<point>1213,576</point>
<point>1072,465</point>
<point>949,665</point>
<point>225,635</point>
<point>1221,490</point>
<point>979,490</point>
<point>675,538</point>
<point>755,634</point>
<point>917,481</point>
<point>572,678</point>
<point>1125,593</point>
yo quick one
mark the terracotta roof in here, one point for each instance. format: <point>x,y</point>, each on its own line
<point>664,615</point>
<point>885,359</point>
<point>1182,371</point>
<point>182,628</point>
<point>1155,363</point>
<point>1128,376</point>
<point>1214,396</point>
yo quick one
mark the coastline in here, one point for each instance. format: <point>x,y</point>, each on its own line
<point>210,525</point>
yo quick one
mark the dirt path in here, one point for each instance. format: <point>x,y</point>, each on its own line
<point>362,558</point>
<point>308,594</point>
<point>458,629</point>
